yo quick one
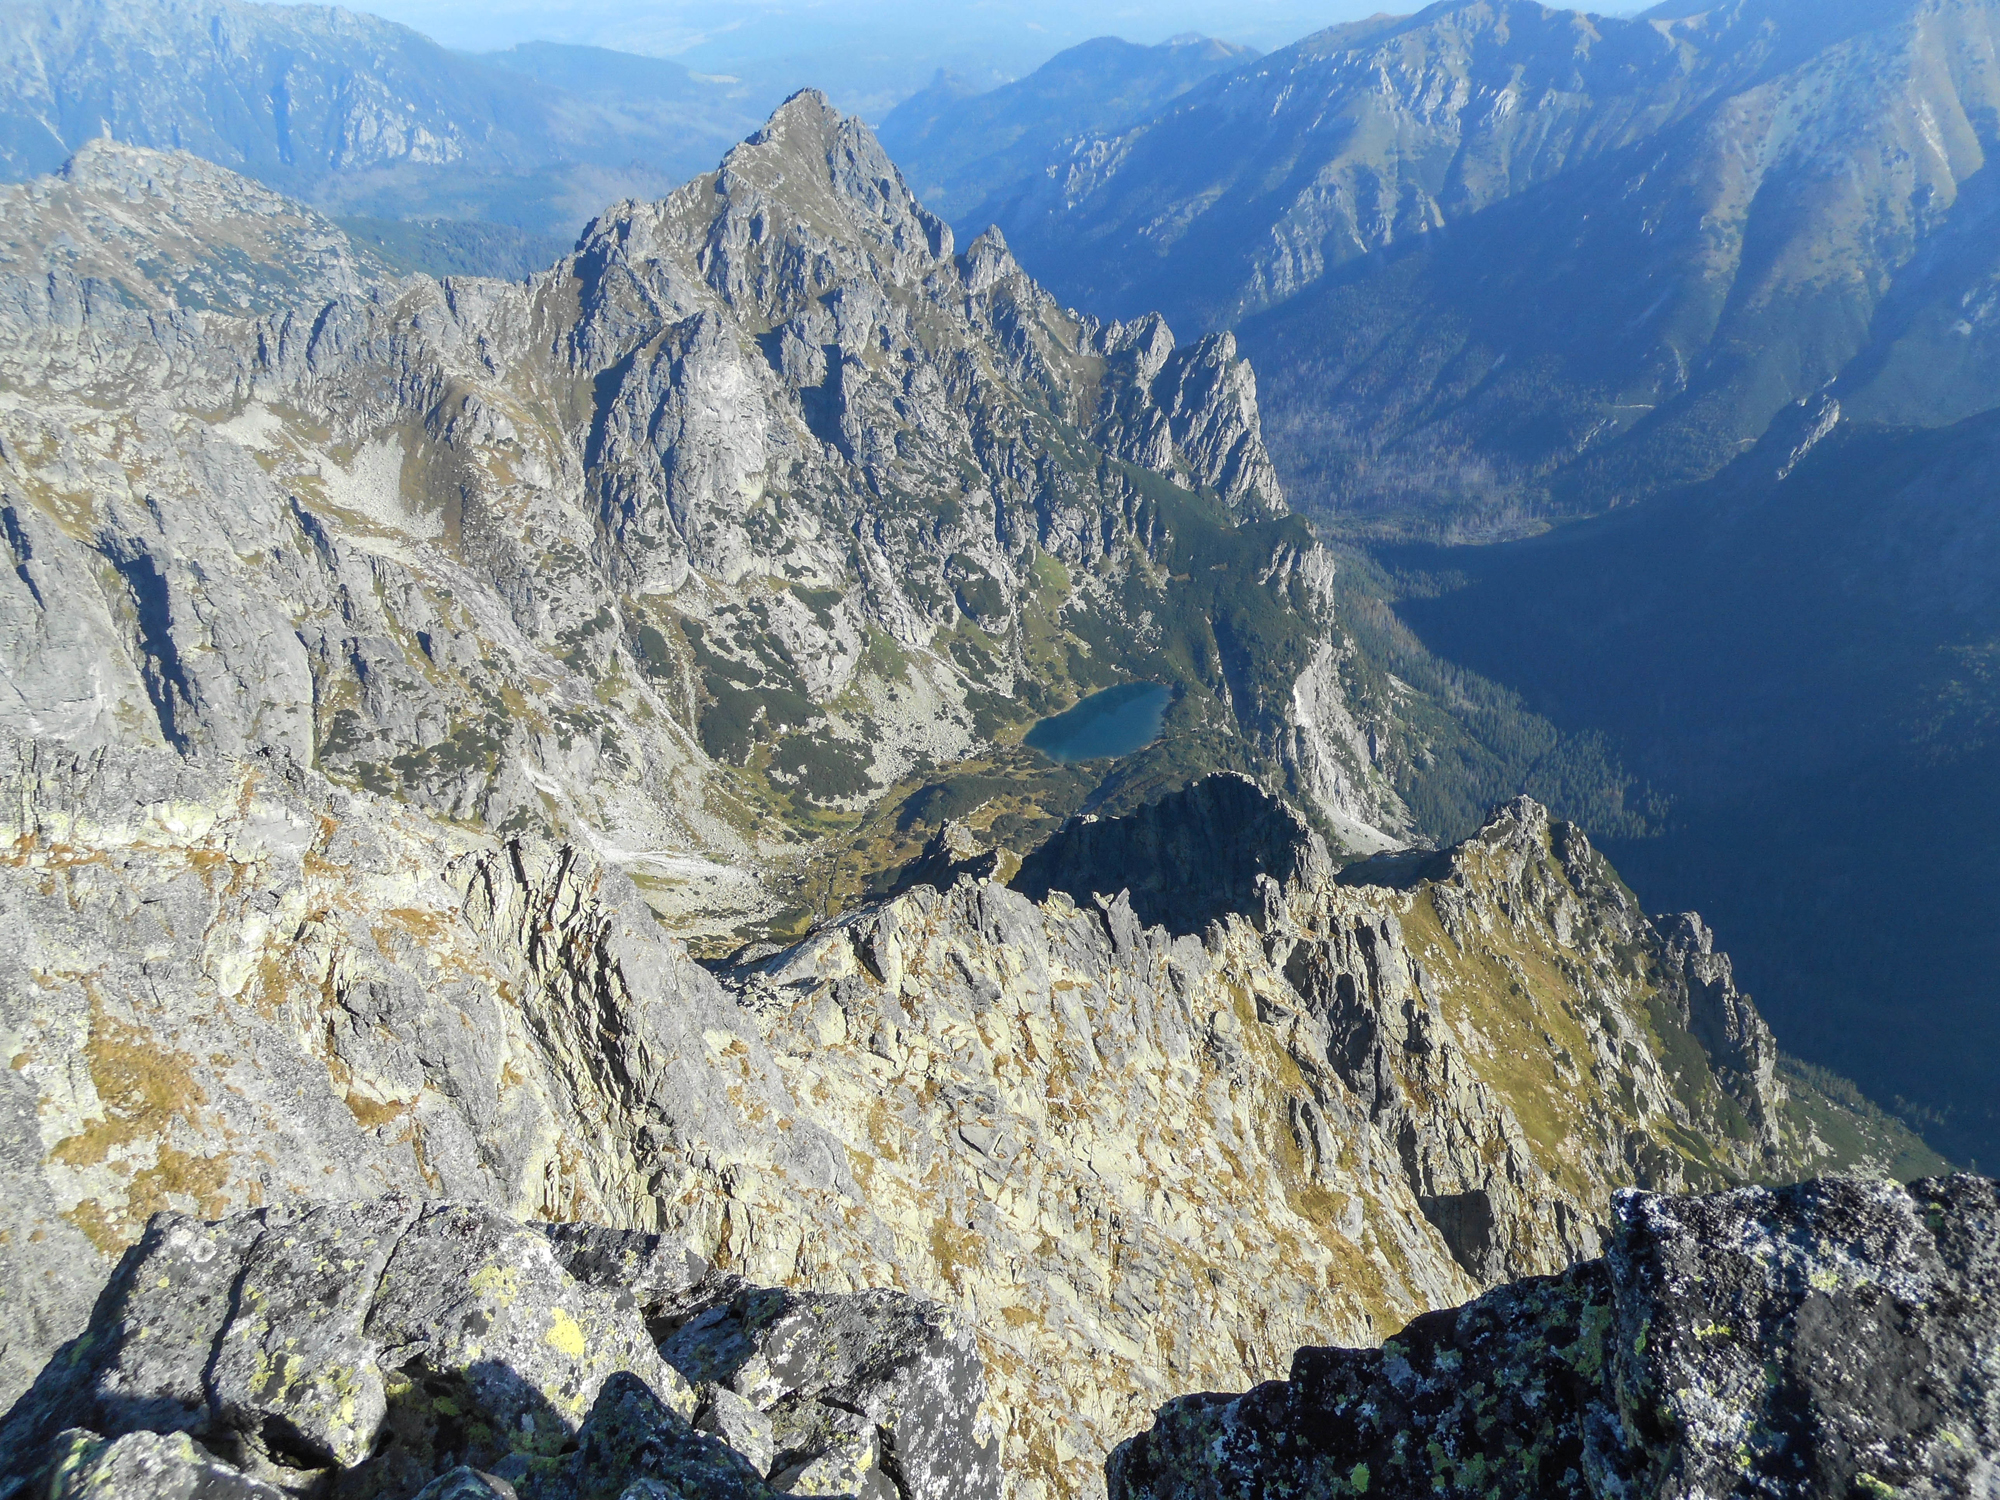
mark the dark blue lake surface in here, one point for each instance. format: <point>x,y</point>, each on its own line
<point>1116,721</point>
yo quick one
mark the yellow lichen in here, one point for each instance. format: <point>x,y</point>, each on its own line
<point>565,1333</point>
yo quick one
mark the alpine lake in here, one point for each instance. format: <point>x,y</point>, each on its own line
<point>1114,722</point>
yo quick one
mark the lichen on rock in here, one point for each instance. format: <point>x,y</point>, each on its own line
<point>1833,1338</point>
<point>396,1347</point>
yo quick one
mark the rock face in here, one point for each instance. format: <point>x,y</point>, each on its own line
<point>1837,1338</point>
<point>238,985</point>
<point>1401,1088</point>
<point>1186,860</point>
<point>399,1347</point>
<point>764,500</point>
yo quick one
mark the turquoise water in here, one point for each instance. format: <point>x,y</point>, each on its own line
<point>1116,721</point>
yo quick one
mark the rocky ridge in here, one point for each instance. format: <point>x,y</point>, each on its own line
<point>242,986</point>
<point>1836,1338</point>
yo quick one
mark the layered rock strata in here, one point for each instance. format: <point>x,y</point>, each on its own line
<point>1836,1338</point>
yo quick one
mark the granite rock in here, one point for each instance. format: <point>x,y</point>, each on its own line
<point>240,985</point>
<point>1833,1338</point>
<point>396,1347</point>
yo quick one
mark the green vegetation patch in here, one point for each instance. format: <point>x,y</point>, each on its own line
<point>826,769</point>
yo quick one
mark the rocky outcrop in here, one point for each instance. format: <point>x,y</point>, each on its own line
<point>1186,860</point>
<point>239,986</point>
<point>873,1394</point>
<point>1414,1078</point>
<point>1699,995</point>
<point>954,850</point>
<point>397,1347</point>
<point>1190,412</point>
<point>1836,1338</point>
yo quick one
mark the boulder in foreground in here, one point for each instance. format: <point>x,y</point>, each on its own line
<point>400,1348</point>
<point>1836,1339</point>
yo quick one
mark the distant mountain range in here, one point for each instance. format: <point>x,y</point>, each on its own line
<point>357,115</point>
<point>1497,262</point>
<point>967,152</point>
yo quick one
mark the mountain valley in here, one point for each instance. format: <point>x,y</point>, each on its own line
<point>1389,212</point>
<point>781,853</point>
<point>1803,664</point>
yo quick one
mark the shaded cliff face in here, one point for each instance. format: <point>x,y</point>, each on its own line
<point>1186,860</point>
<point>1830,1339</point>
<point>241,985</point>
<point>764,501</point>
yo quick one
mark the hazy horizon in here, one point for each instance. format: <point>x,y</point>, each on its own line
<point>866,54</point>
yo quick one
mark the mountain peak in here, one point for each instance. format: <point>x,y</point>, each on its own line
<point>107,162</point>
<point>173,230</point>
<point>809,183</point>
<point>807,110</point>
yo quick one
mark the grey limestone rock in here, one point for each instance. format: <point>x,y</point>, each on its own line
<point>236,984</point>
<point>809,1386</point>
<point>355,1343</point>
<point>871,1393</point>
<point>1838,1338</point>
